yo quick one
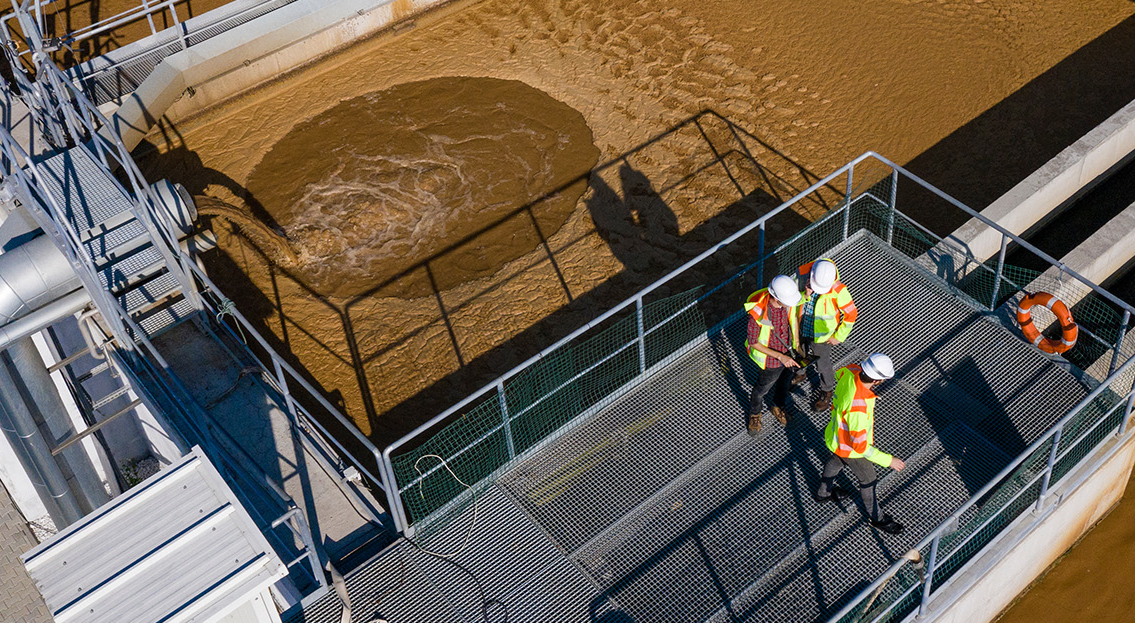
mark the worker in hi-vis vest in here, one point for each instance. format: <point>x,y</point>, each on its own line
<point>827,314</point>
<point>850,436</point>
<point>773,337</point>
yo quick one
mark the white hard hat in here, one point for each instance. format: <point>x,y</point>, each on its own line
<point>823,276</point>
<point>784,289</point>
<point>879,367</point>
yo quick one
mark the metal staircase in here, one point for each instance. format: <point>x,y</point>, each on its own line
<point>120,240</point>
<point>106,230</point>
<point>89,196</point>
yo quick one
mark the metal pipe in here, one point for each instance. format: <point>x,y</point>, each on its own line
<point>506,421</point>
<point>23,322</point>
<point>1119,341</point>
<point>760,255</point>
<point>847,204</point>
<point>35,457</point>
<point>1126,413</point>
<point>31,275</point>
<point>45,316</point>
<point>641,336</point>
<point>1000,270</point>
<point>1048,469</point>
<point>928,581</point>
<point>894,206</point>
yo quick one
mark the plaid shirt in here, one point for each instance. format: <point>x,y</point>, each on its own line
<point>779,337</point>
<point>808,319</point>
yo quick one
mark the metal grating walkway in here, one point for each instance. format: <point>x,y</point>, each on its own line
<point>661,508</point>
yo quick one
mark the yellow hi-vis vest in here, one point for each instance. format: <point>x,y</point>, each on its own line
<point>757,308</point>
<point>835,312</point>
<point>851,431</point>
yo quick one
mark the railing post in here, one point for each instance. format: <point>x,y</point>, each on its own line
<point>641,336</point>
<point>177,24</point>
<point>506,420</point>
<point>1127,412</point>
<point>1048,470</point>
<point>894,206</point>
<point>760,255</point>
<point>393,492</point>
<point>1119,341</point>
<point>997,276</point>
<point>847,204</point>
<point>149,17</point>
<point>928,582</point>
<point>282,381</point>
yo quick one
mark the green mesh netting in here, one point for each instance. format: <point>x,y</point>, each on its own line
<point>538,400</point>
<point>593,370</point>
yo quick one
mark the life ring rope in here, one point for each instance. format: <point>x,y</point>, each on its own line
<point>1069,330</point>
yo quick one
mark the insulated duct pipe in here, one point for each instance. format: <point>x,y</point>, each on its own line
<point>35,277</point>
<point>74,302</point>
<point>35,455</point>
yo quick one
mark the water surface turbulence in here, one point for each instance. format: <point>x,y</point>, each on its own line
<point>424,185</point>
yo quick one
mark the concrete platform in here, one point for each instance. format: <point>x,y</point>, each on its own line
<point>661,508</point>
<point>252,413</point>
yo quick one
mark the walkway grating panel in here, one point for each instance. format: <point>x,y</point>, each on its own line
<point>661,508</point>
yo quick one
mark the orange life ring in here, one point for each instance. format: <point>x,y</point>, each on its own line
<point>1068,328</point>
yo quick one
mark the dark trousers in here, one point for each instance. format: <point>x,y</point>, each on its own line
<point>777,379</point>
<point>864,472</point>
<point>823,364</point>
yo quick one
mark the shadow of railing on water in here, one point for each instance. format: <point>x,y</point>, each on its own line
<point>640,228</point>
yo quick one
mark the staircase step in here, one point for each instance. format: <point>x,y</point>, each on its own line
<point>109,398</point>
<point>165,316</point>
<point>114,243</point>
<point>95,371</point>
<point>114,222</point>
<point>83,189</point>
<point>141,264</point>
<point>152,292</point>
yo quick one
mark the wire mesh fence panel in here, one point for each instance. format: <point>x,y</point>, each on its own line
<point>537,402</point>
<point>985,419</point>
<point>982,522</point>
<point>452,461</point>
<point>1094,423</point>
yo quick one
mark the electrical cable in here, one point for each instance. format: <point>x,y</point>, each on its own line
<point>449,558</point>
<point>476,508</point>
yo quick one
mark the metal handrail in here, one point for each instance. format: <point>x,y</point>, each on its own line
<point>403,522</point>
<point>184,33</point>
<point>1008,234</point>
<point>279,361</point>
<point>144,10</point>
<point>996,481</point>
<point>157,222</point>
<point>621,306</point>
<point>56,225</point>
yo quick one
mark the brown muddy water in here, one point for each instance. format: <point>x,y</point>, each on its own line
<point>700,116</point>
<point>373,187</point>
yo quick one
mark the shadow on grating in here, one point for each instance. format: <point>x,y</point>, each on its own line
<point>661,507</point>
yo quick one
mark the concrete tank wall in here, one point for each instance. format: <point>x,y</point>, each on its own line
<point>1037,198</point>
<point>252,54</point>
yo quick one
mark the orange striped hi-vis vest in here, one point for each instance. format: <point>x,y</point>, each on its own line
<point>851,431</point>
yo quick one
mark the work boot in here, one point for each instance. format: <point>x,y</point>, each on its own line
<point>754,424</point>
<point>798,378</point>
<point>889,525</point>
<point>823,401</point>
<point>838,493</point>
<point>780,415</point>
